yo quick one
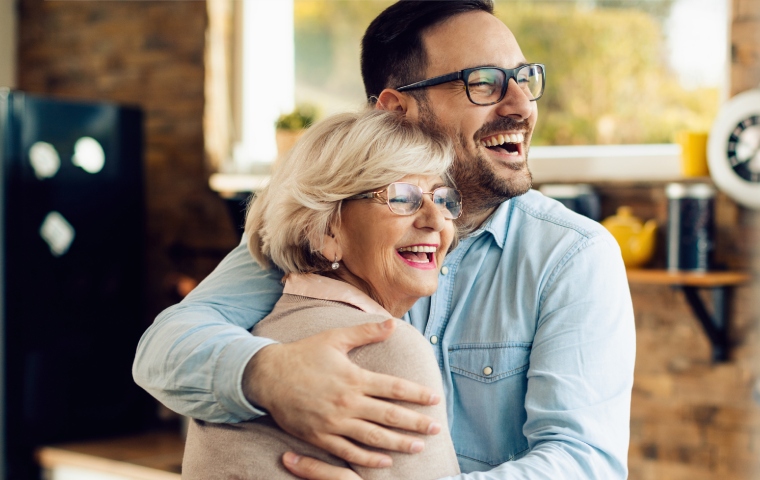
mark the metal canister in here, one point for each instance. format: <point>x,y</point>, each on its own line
<point>691,226</point>
<point>580,198</point>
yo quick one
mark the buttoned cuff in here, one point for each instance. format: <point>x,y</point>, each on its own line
<point>228,376</point>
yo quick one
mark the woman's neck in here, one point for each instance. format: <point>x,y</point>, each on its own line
<point>397,307</point>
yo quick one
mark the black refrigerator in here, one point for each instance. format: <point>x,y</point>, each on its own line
<point>71,274</point>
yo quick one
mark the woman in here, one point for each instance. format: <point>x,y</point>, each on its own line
<point>359,218</point>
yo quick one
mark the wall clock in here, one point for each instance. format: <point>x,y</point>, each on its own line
<point>733,150</point>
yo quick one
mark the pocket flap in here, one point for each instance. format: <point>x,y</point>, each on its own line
<point>489,362</point>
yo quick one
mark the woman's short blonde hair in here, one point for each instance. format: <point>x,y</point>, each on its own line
<point>341,156</point>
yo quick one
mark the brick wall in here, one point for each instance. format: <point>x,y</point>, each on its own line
<point>692,419</point>
<point>151,54</point>
<point>745,45</point>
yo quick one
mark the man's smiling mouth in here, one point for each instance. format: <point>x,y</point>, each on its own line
<point>505,144</point>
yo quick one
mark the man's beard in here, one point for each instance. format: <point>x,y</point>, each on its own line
<point>474,174</point>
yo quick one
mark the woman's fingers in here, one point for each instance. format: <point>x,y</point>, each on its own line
<point>311,469</point>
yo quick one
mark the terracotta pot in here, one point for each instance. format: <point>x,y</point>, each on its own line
<point>285,140</point>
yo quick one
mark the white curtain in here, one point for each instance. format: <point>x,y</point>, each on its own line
<point>218,119</point>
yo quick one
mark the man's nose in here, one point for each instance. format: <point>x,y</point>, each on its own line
<point>516,103</point>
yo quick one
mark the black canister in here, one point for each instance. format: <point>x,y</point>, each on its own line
<point>691,229</point>
<point>580,198</point>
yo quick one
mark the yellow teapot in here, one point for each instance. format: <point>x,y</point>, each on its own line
<point>636,239</point>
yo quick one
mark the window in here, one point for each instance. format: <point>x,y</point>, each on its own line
<point>620,72</point>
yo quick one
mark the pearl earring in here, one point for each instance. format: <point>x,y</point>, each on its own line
<point>335,265</point>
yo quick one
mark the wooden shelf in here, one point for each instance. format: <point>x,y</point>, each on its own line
<point>689,279</point>
<point>719,284</point>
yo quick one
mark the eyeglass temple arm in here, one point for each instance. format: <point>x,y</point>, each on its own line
<point>364,195</point>
<point>431,81</point>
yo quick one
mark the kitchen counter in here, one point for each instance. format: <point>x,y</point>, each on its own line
<point>228,185</point>
<point>147,456</point>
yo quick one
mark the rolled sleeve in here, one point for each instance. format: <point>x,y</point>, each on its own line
<point>228,376</point>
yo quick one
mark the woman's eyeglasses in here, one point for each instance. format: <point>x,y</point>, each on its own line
<point>488,85</point>
<point>406,199</point>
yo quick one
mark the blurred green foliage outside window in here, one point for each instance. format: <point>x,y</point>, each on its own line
<point>608,78</point>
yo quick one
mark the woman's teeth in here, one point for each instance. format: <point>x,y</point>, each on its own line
<point>419,248</point>
<point>502,139</point>
<point>418,253</point>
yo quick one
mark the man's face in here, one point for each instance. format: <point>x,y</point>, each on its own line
<point>486,175</point>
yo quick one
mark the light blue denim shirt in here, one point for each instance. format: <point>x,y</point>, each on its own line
<point>532,326</point>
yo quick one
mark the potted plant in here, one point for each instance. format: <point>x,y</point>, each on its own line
<point>290,126</point>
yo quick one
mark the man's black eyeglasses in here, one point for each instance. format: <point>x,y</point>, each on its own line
<point>488,85</point>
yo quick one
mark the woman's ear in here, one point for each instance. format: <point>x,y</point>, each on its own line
<point>331,248</point>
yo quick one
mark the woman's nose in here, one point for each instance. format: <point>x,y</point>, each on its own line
<point>430,215</point>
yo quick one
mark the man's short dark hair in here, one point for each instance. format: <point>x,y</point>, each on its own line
<point>392,50</point>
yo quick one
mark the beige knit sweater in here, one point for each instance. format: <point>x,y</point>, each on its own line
<point>253,450</point>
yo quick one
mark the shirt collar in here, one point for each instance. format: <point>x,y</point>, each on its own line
<point>323,288</point>
<point>496,224</point>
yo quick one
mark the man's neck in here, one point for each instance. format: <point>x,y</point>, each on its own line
<point>471,221</point>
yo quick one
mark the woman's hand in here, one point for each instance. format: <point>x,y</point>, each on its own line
<point>314,392</point>
<point>311,469</point>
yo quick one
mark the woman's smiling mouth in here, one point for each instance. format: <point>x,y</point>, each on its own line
<point>418,256</point>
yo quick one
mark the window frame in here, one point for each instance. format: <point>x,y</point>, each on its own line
<point>589,163</point>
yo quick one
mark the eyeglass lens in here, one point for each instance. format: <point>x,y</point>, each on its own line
<point>406,199</point>
<point>486,85</point>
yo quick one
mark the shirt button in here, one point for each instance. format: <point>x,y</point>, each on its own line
<point>433,339</point>
<point>487,371</point>
<point>444,270</point>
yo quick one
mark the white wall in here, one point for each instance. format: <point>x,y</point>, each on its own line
<point>8,43</point>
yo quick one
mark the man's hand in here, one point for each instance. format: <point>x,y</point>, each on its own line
<point>314,392</point>
<point>311,469</point>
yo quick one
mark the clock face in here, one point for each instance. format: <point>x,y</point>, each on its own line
<point>744,149</point>
<point>733,150</point>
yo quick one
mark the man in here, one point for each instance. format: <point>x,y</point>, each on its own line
<point>532,323</point>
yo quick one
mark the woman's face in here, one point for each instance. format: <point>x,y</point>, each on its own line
<point>377,246</point>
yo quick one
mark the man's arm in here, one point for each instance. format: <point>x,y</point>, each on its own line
<point>200,360</point>
<point>581,372</point>
<point>579,380</point>
<point>193,356</point>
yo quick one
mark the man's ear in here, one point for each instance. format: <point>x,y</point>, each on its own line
<point>392,100</point>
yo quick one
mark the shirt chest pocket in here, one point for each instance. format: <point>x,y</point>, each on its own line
<point>490,383</point>
<point>489,363</point>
